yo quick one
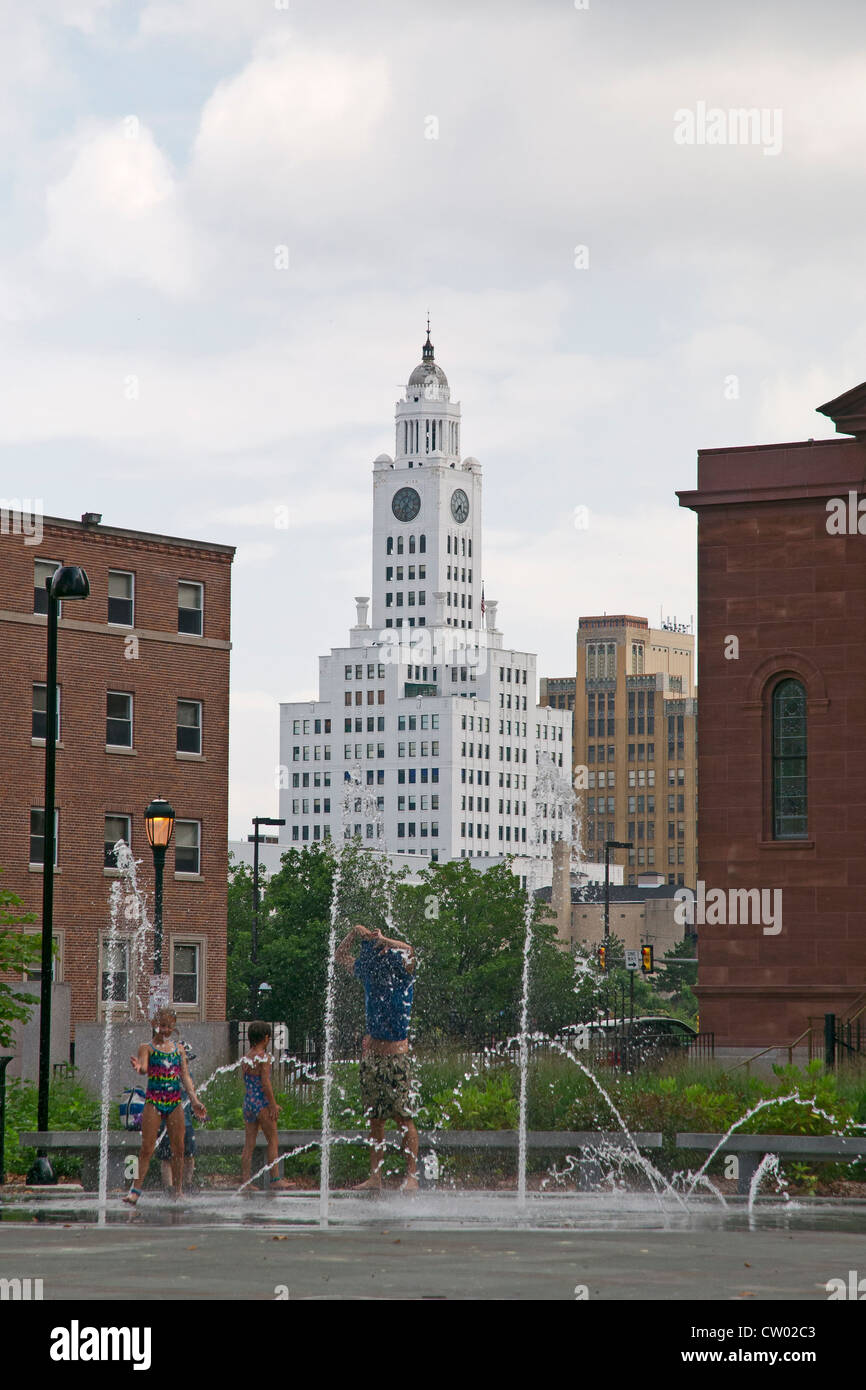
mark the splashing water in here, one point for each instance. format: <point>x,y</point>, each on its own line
<point>125,902</point>
<point>769,1166</point>
<point>795,1098</point>
<point>553,801</point>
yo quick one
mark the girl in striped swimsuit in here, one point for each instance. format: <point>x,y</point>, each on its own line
<point>164,1063</point>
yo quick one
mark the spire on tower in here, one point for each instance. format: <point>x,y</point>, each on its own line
<point>427,350</point>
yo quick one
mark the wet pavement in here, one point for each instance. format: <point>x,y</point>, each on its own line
<point>436,1245</point>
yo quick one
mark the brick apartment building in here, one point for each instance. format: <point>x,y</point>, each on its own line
<point>782,749</point>
<point>143,674</point>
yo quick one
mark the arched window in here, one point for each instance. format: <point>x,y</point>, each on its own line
<point>399,545</point>
<point>790,819</point>
<point>389,546</point>
<point>449,545</point>
<point>422,545</point>
<point>411,545</point>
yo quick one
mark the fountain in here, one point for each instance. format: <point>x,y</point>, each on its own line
<point>608,1165</point>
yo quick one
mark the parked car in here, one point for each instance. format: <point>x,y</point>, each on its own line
<point>660,1028</point>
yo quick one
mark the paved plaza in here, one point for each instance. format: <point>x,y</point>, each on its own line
<point>274,1248</point>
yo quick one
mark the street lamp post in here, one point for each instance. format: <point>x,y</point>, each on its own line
<point>264,994</point>
<point>608,846</point>
<point>67,582</point>
<point>254,943</point>
<point>159,824</point>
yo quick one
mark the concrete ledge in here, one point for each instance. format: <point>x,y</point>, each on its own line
<point>815,1146</point>
<point>214,1140</point>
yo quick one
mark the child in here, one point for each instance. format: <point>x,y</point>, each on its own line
<point>167,1073</point>
<point>260,1107</point>
<point>163,1144</point>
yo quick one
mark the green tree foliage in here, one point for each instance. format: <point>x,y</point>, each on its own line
<point>469,929</point>
<point>18,950</point>
<point>679,981</point>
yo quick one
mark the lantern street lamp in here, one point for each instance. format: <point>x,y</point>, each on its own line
<point>159,824</point>
<point>67,582</point>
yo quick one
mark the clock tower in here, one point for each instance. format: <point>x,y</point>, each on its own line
<point>427,513</point>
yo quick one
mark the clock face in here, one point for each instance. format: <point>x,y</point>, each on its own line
<point>459,505</point>
<point>406,504</point>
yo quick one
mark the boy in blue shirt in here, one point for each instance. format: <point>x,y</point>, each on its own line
<point>386,969</point>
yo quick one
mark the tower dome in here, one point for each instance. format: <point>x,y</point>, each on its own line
<point>428,377</point>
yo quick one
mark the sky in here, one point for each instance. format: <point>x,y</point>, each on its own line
<point>224,223</point>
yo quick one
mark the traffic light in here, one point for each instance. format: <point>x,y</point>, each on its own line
<point>646,959</point>
<point>602,955</point>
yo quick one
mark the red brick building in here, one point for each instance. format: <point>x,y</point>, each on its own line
<point>143,673</point>
<point>782,731</point>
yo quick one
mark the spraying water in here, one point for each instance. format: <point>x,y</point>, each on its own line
<point>553,818</point>
<point>769,1166</point>
<point>126,905</point>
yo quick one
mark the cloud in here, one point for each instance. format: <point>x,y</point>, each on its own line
<point>117,213</point>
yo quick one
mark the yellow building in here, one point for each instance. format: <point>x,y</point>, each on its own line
<point>634,743</point>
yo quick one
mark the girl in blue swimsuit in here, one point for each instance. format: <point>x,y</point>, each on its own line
<point>260,1107</point>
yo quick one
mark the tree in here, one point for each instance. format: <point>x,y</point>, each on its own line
<point>18,950</point>
<point>469,929</point>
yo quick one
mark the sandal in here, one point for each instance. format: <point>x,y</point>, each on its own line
<point>132,1196</point>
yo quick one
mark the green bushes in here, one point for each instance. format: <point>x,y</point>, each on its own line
<point>455,1091</point>
<point>70,1106</point>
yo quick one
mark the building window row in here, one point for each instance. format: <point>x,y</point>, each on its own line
<point>185,972</point>
<point>118,826</point>
<point>356,697</point>
<point>396,599</point>
<point>320,832</point>
<point>301,752</point>
<point>121,598</point>
<point>600,660</point>
<point>375,724</point>
<point>308,726</point>
<point>119,725</point>
<point>646,752</point>
<point>422,545</point>
<point>390,573</point>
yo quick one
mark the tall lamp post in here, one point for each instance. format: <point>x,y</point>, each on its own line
<point>67,582</point>
<point>608,846</point>
<point>159,824</point>
<point>254,944</point>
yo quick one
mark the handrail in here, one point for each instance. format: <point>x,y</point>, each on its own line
<point>746,1061</point>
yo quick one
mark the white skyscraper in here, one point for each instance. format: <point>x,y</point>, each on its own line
<point>424,711</point>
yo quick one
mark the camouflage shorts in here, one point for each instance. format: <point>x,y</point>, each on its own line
<point>385,1086</point>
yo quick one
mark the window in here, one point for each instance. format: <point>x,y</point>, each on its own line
<point>184,973</point>
<point>121,597</point>
<point>187,847</point>
<point>40,713</point>
<point>115,971</point>
<point>37,835</point>
<point>189,726</point>
<point>789,790</point>
<point>190,607</point>
<point>118,719</point>
<point>116,828</point>
<point>42,570</point>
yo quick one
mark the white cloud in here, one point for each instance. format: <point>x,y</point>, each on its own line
<point>117,213</point>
